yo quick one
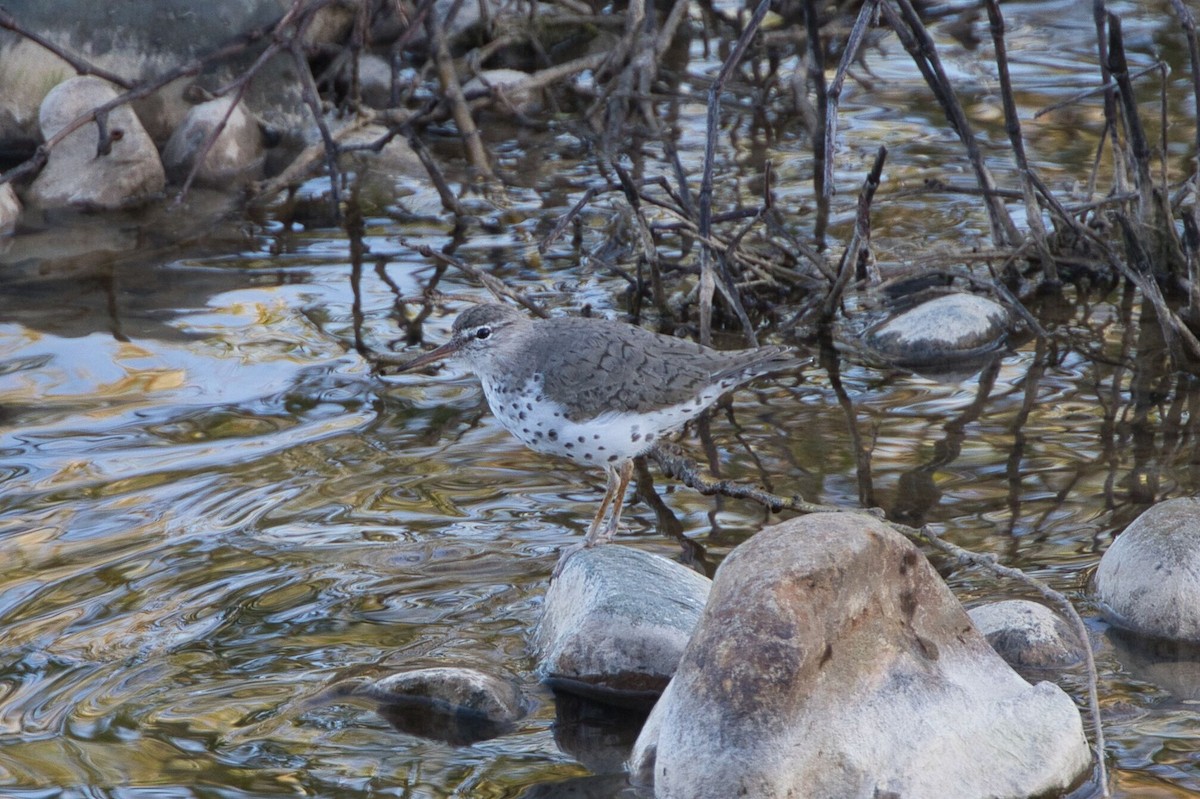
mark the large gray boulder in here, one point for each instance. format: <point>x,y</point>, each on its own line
<point>1148,581</point>
<point>615,623</point>
<point>831,660</point>
<point>76,174</point>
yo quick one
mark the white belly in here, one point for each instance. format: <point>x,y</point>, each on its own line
<point>543,426</point>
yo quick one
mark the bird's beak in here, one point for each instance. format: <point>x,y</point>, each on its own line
<point>433,356</point>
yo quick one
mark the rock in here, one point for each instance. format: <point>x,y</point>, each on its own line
<point>611,786</point>
<point>459,690</point>
<point>395,159</point>
<point>141,41</point>
<point>375,80</point>
<point>75,176</point>
<point>953,327</point>
<point>235,156</point>
<point>831,660</point>
<point>507,87</point>
<point>1028,635</point>
<point>458,705</point>
<point>10,209</point>
<point>27,72</point>
<point>615,622</point>
<point>461,22</point>
<point>1148,581</point>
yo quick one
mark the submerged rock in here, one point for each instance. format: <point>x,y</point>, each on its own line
<point>234,156</point>
<point>76,175</point>
<point>1028,635</point>
<point>395,159</point>
<point>1148,581</point>
<point>1173,666</point>
<point>460,690</point>
<point>615,623</point>
<point>832,660</point>
<point>599,736</point>
<point>954,327</point>
<point>458,705</point>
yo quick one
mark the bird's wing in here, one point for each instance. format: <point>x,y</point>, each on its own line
<point>630,369</point>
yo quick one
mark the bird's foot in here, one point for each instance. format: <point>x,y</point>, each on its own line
<point>566,554</point>
<point>608,534</point>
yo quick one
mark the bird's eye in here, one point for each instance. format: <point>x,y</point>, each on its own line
<point>483,332</point>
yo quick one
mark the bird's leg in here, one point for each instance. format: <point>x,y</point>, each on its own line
<point>623,473</point>
<point>611,496</point>
<point>614,495</point>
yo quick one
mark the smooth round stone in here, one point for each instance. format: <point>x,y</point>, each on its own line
<point>449,689</point>
<point>375,80</point>
<point>950,328</point>
<point>396,158</point>
<point>75,175</point>
<point>1028,635</point>
<point>235,155</point>
<point>1148,581</point>
<point>460,706</point>
<point>615,622</point>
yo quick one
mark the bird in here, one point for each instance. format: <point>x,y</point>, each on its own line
<point>596,391</point>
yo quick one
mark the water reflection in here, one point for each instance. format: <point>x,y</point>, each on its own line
<point>211,507</point>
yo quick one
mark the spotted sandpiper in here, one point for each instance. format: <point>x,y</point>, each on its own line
<point>595,391</point>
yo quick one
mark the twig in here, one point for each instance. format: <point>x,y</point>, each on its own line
<point>862,216</point>
<point>489,282</point>
<point>1012,124</point>
<point>79,64</point>
<point>1120,177</point>
<point>452,91</point>
<point>707,272</point>
<point>312,98</point>
<point>1192,220</point>
<point>1188,21</point>
<point>858,33</point>
<point>1059,601</point>
<point>211,138</point>
<point>917,41</point>
<point>565,220</point>
<point>1083,95</point>
<point>304,164</point>
<point>450,201</point>
<point>677,466</point>
<point>822,144</point>
<point>1138,145</point>
<point>858,244</point>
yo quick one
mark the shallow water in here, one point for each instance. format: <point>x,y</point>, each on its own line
<point>211,509</point>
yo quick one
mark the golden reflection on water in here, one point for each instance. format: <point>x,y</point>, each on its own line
<point>183,577</point>
<point>206,525</point>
